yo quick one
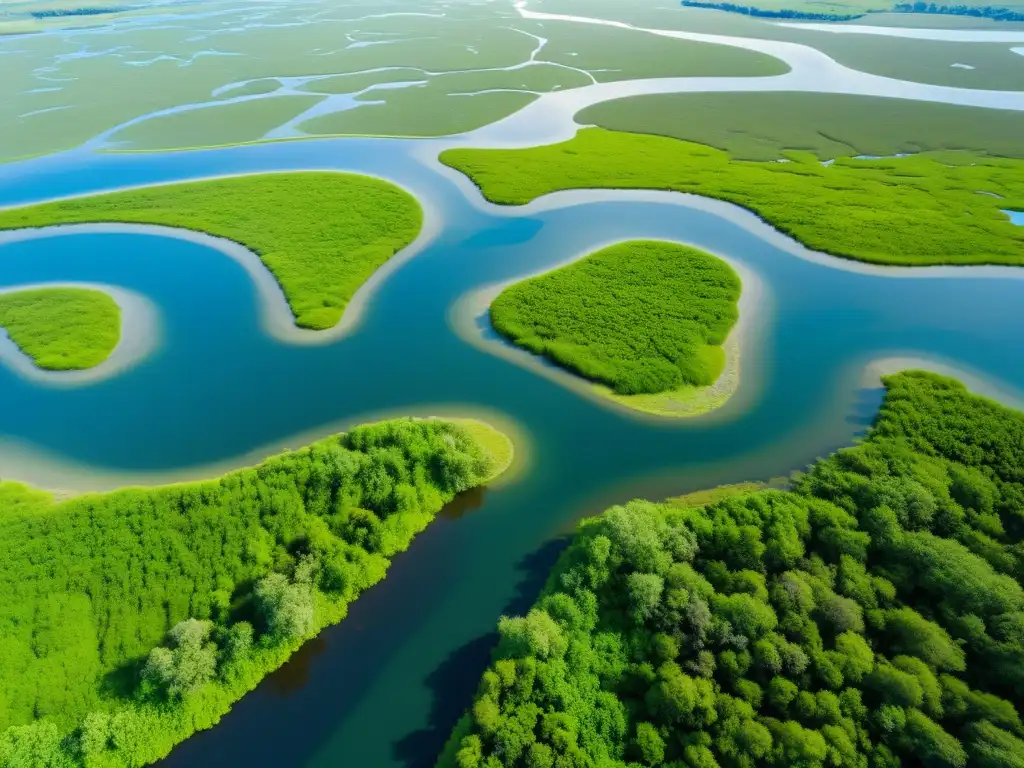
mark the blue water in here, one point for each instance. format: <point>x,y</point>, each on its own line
<point>1016,217</point>
<point>385,686</point>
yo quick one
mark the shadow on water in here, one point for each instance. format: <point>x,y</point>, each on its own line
<point>866,404</point>
<point>294,676</point>
<point>454,681</point>
<point>465,502</point>
<point>322,684</point>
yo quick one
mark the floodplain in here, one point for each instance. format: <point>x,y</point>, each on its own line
<point>281,196</point>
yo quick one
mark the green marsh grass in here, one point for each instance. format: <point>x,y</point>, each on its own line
<point>320,234</point>
<point>62,329</point>
<point>761,126</point>
<point>640,317</point>
<point>934,208</point>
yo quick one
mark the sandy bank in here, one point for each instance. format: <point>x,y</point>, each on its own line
<point>275,313</point>
<point>507,441</point>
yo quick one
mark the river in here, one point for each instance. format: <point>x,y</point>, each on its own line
<point>384,687</point>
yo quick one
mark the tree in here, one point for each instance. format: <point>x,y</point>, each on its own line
<point>926,741</point>
<point>855,656</point>
<point>536,634</point>
<point>189,663</point>
<point>645,590</point>
<point>909,633</point>
<point>649,744</point>
<point>287,607</point>
<point>678,699</point>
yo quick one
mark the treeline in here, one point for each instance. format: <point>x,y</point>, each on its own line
<point>980,11</point>
<point>129,620</point>
<point>871,617</point>
<point>55,13</point>
<point>766,13</point>
<point>998,13</point>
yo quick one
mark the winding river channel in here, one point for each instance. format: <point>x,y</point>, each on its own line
<point>219,388</point>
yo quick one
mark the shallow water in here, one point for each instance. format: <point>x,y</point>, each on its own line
<point>1016,217</point>
<point>385,686</point>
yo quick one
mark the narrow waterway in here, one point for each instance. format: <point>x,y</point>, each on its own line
<point>384,687</point>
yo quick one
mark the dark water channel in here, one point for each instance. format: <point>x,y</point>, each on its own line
<point>385,686</point>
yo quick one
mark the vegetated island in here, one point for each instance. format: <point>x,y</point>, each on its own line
<point>322,235</point>
<point>62,328</point>
<point>763,126</point>
<point>129,620</point>
<point>934,208</point>
<point>871,617</point>
<point>646,320</point>
<point>848,11</point>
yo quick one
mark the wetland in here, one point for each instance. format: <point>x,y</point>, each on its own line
<point>217,388</point>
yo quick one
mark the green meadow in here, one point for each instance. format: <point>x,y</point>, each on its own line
<point>640,317</point>
<point>762,126</point>
<point>871,617</point>
<point>933,208</point>
<point>62,329</point>
<point>215,125</point>
<point>129,620</point>
<point>320,234</point>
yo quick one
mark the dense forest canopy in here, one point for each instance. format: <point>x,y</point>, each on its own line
<point>871,617</point>
<point>129,620</point>
<point>642,316</point>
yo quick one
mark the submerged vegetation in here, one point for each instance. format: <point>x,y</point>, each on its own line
<point>322,235</point>
<point>131,619</point>
<point>873,616</point>
<point>762,126</point>
<point>640,316</point>
<point>62,329</point>
<point>936,208</point>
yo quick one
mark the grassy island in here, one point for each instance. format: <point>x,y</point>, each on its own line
<point>934,208</point>
<point>62,329</point>
<point>870,617</point>
<point>320,234</point>
<point>130,620</point>
<point>640,318</point>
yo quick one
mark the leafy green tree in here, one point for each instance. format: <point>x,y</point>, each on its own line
<point>286,607</point>
<point>189,663</point>
<point>645,591</point>
<point>649,744</point>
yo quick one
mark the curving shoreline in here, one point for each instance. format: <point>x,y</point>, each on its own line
<point>139,337</point>
<point>469,318</point>
<point>277,316</point>
<point>66,478</point>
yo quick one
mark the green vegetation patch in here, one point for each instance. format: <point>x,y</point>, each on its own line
<point>870,617</point>
<point>428,110</point>
<point>761,126</point>
<point>321,234</point>
<point>131,619</point>
<point>616,54</point>
<point>640,317</point>
<point>216,124</point>
<point>62,329</point>
<point>936,208</point>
